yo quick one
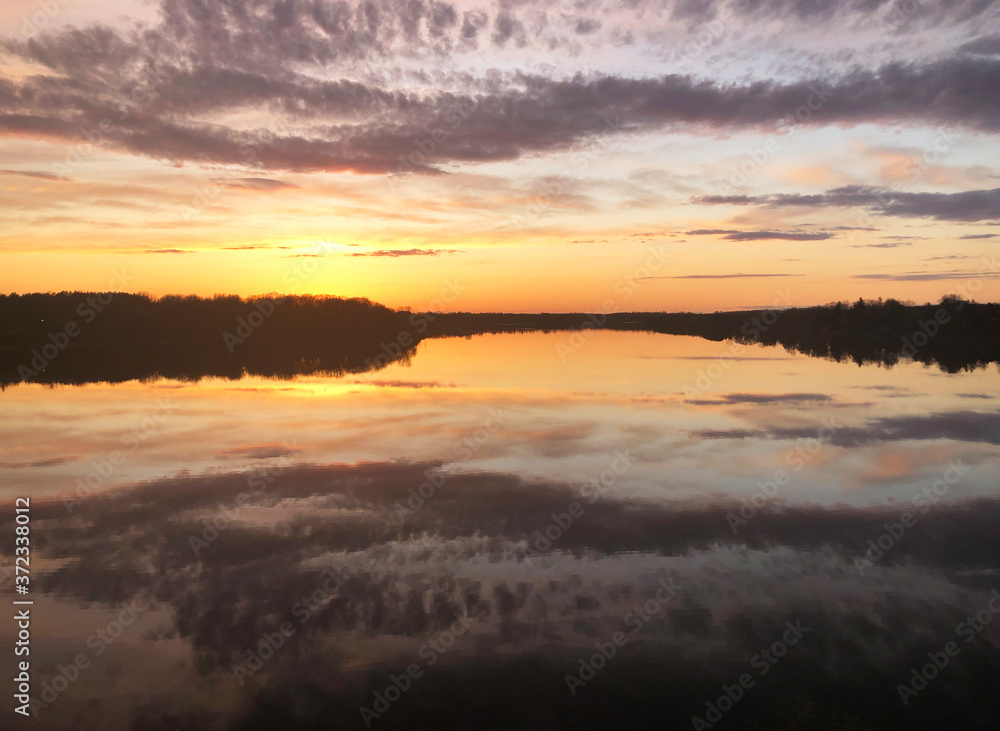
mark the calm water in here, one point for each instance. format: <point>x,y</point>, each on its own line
<point>492,514</point>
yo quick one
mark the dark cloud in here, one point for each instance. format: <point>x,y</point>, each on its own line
<point>971,205</point>
<point>762,398</point>
<point>783,235</point>
<point>160,92</point>
<point>734,235</point>
<point>508,27</point>
<point>168,251</point>
<point>978,236</point>
<point>889,15</point>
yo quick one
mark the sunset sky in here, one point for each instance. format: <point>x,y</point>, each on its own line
<point>519,156</point>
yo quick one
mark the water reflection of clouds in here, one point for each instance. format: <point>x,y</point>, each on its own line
<point>608,399</point>
<point>964,426</point>
<point>463,554</point>
<point>350,452</point>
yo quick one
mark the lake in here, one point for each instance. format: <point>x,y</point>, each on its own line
<point>531,530</point>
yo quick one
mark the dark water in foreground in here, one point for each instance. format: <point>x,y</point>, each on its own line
<point>640,531</point>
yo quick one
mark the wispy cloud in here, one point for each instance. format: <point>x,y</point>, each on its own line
<point>406,252</point>
<point>262,184</point>
<point>925,276</point>
<point>723,276</point>
<point>254,247</point>
<point>258,451</point>
<point>35,174</point>
<point>970,205</point>
<point>965,426</point>
<point>883,245</point>
<point>762,398</point>
<point>735,235</point>
<point>50,462</point>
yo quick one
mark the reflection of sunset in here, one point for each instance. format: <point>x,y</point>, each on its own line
<point>500,364</point>
<point>652,393</point>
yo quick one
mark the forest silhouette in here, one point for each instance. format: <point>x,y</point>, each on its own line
<point>82,337</point>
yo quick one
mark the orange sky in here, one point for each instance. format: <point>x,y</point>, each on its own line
<point>558,213</point>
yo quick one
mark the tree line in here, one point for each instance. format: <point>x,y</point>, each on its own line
<point>80,337</point>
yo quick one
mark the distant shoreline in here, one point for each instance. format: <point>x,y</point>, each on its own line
<point>79,337</point>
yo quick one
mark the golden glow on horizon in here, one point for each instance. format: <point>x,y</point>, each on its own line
<point>496,279</point>
<point>112,210</point>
